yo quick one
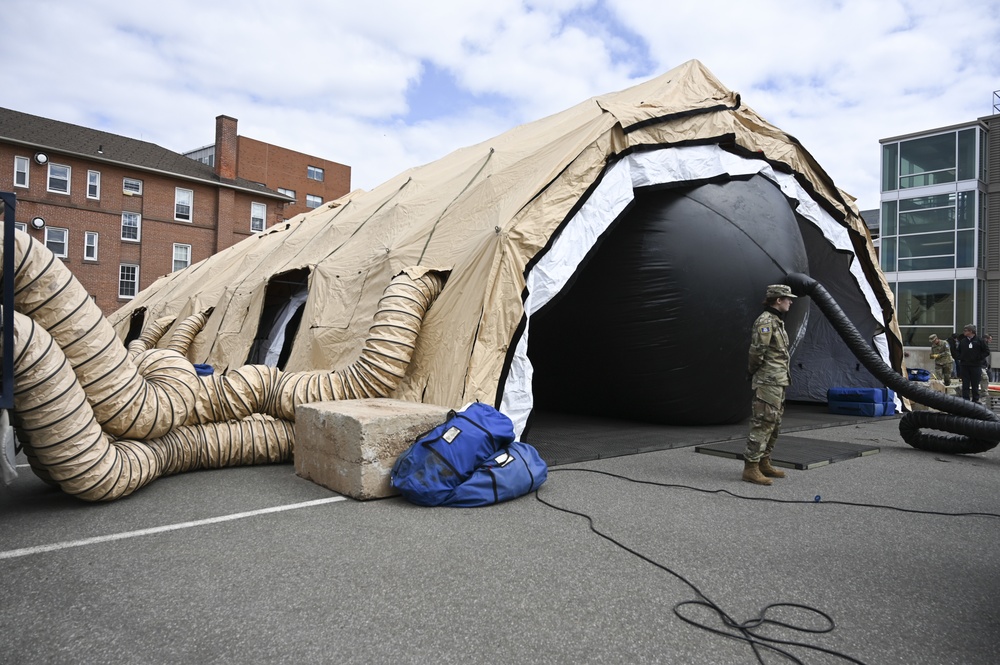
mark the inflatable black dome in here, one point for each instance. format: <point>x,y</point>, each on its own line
<point>656,325</point>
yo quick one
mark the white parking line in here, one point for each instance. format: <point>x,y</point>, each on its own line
<point>25,551</point>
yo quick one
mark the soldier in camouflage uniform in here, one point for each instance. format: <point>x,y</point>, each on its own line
<point>769,366</point>
<point>941,355</point>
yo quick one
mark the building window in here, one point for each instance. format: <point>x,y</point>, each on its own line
<point>128,280</point>
<point>314,173</point>
<point>90,246</point>
<point>929,233</point>
<point>57,240</point>
<point>290,193</point>
<point>21,171</point>
<point>131,186</point>
<point>182,256</point>
<point>934,306</point>
<point>131,226</point>
<point>258,215</point>
<point>93,184</point>
<point>59,176</point>
<point>930,160</point>
<point>183,200</point>
<point>21,226</point>
<point>313,201</point>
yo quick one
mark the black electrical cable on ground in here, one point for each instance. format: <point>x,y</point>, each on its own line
<point>743,631</point>
<point>973,428</point>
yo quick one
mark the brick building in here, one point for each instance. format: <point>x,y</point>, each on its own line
<point>308,179</point>
<point>121,212</point>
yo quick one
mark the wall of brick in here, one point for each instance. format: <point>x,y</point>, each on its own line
<point>159,231</point>
<point>277,167</point>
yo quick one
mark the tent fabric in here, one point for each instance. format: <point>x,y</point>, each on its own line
<point>509,220</point>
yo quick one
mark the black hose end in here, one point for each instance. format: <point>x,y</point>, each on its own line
<point>802,285</point>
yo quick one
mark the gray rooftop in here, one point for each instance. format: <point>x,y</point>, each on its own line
<point>63,137</point>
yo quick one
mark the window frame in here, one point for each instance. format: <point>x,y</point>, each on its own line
<point>21,226</point>
<point>121,280</point>
<point>26,171</point>
<point>179,202</point>
<point>69,179</point>
<point>65,241</point>
<point>87,235</point>
<point>128,192</point>
<point>137,226</point>
<point>263,217</point>
<point>316,173</point>
<point>178,245</point>
<point>94,183</point>
<point>311,198</point>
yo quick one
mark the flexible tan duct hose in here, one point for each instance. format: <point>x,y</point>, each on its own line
<point>66,446</point>
<point>187,330</point>
<point>184,421</point>
<point>384,358</point>
<point>376,373</point>
<point>56,423</point>
<point>125,404</point>
<point>150,335</point>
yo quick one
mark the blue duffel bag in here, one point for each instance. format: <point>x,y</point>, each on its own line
<point>445,457</point>
<point>512,472</point>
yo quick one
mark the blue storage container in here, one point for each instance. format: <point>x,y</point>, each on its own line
<point>871,410</point>
<point>919,375</point>
<point>866,395</point>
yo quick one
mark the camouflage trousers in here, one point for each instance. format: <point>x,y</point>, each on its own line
<point>765,421</point>
<point>944,370</point>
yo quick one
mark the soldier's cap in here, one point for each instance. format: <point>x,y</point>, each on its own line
<point>779,291</point>
<point>932,338</point>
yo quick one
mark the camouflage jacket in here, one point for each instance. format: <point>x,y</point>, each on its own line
<point>940,352</point>
<point>769,351</point>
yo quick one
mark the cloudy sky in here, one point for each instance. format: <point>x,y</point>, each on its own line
<point>385,85</point>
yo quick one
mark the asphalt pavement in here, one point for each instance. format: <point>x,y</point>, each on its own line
<point>256,565</point>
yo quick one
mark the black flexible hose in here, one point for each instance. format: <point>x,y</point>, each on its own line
<point>973,427</point>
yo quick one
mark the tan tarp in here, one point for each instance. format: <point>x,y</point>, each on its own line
<point>484,213</point>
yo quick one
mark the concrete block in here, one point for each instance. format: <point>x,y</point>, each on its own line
<point>350,446</point>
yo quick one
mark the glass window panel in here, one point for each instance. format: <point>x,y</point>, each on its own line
<point>930,263</point>
<point>888,252</point>
<point>927,244</point>
<point>926,303</point>
<point>927,202</point>
<point>966,217</point>
<point>888,218</point>
<point>890,167</point>
<point>967,154</point>
<point>924,221</point>
<point>983,159</point>
<point>930,153</point>
<point>966,250</point>
<point>965,298</point>
<point>925,179</point>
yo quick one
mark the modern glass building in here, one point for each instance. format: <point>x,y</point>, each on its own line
<point>940,228</point>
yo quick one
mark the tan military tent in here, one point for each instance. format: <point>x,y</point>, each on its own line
<point>510,221</point>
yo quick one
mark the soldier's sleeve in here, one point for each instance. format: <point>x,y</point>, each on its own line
<point>759,341</point>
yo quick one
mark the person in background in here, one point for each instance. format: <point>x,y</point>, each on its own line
<point>972,351</point>
<point>984,382</point>
<point>768,365</point>
<point>953,346</point>
<point>941,355</point>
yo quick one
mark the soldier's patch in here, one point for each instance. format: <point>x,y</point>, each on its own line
<point>765,329</point>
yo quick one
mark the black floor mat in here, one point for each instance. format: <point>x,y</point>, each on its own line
<point>795,452</point>
<point>565,438</point>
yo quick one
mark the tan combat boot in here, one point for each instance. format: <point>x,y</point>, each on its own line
<point>752,474</point>
<point>768,470</point>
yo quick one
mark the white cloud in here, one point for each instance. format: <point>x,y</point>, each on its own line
<point>332,79</point>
